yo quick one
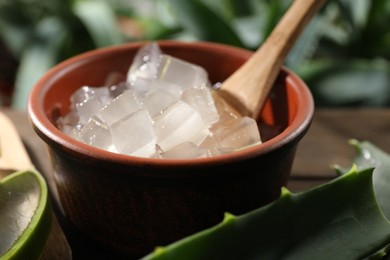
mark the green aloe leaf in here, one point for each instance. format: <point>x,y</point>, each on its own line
<point>338,220</point>
<point>306,45</point>
<point>38,57</point>
<point>367,156</point>
<point>25,215</point>
<point>203,22</point>
<point>355,82</point>
<point>15,29</point>
<point>100,20</point>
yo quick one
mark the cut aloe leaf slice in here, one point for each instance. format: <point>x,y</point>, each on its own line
<point>25,217</point>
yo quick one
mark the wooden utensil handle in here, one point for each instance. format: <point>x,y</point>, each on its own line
<point>249,86</point>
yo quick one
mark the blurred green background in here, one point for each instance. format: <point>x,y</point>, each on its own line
<point>343,55</point>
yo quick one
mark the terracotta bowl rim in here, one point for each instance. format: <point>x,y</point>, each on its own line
<point>54,137</point>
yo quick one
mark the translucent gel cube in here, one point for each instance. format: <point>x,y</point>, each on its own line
<point>201,100</point>
<point>150,63</point>
<point>72,131</point>
<point>236,134</point>
<point>95,133</point>
<point>184,150</point>
<point>82,94</point>
<point>141,86</point>
<point>69,120</point>
<point>157,101</point>
<point>177,124</point>
<point>134,135</point>
<point>87,100</point>
<point>173,89</point>
<point>181,73</point>
<point>88,108</point>
<point>147,92</point>
<point>117,89</point>
<point>145,63</point>
<point>121,106</point>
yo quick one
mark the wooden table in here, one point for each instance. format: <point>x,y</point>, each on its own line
<point>325,144</point>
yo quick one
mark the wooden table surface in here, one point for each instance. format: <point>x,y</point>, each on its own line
<point>325,144</point>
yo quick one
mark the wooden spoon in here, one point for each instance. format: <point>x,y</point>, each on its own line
<point>248,88</point>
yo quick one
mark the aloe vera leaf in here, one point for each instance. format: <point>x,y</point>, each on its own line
<point>367,156</point>
<point>344,83</point>
<point>100,20</point>
<point>13,33</point>
<point>25,216</point>
<point>204,23</point>
<point>337,220</point>
<point>306,45</point>
<point>38,57</point>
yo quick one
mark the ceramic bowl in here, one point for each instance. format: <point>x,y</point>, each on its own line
<point>130,205</point>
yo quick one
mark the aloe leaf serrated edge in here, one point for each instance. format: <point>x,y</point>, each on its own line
<point>340,219</point>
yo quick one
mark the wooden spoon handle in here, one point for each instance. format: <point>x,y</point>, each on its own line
<point>248,88</point>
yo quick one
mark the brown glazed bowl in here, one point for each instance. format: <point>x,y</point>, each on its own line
<point>130,205</point>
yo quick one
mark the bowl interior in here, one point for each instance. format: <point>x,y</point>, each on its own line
<point>288,108</point>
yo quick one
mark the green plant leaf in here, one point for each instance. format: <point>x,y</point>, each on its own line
<point>100,20</point>
<point>15,29</point>
<point>349,10</point>
<point>204,23</point>
<point>367,156</point>
<point>338,220</point>
<point>273,12</point>
<point>350,82</point>
<point>306,45</point>
<point>25,215</point>
<point>250,30</point>
<point>39,56</point>
<point>239,8</point>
